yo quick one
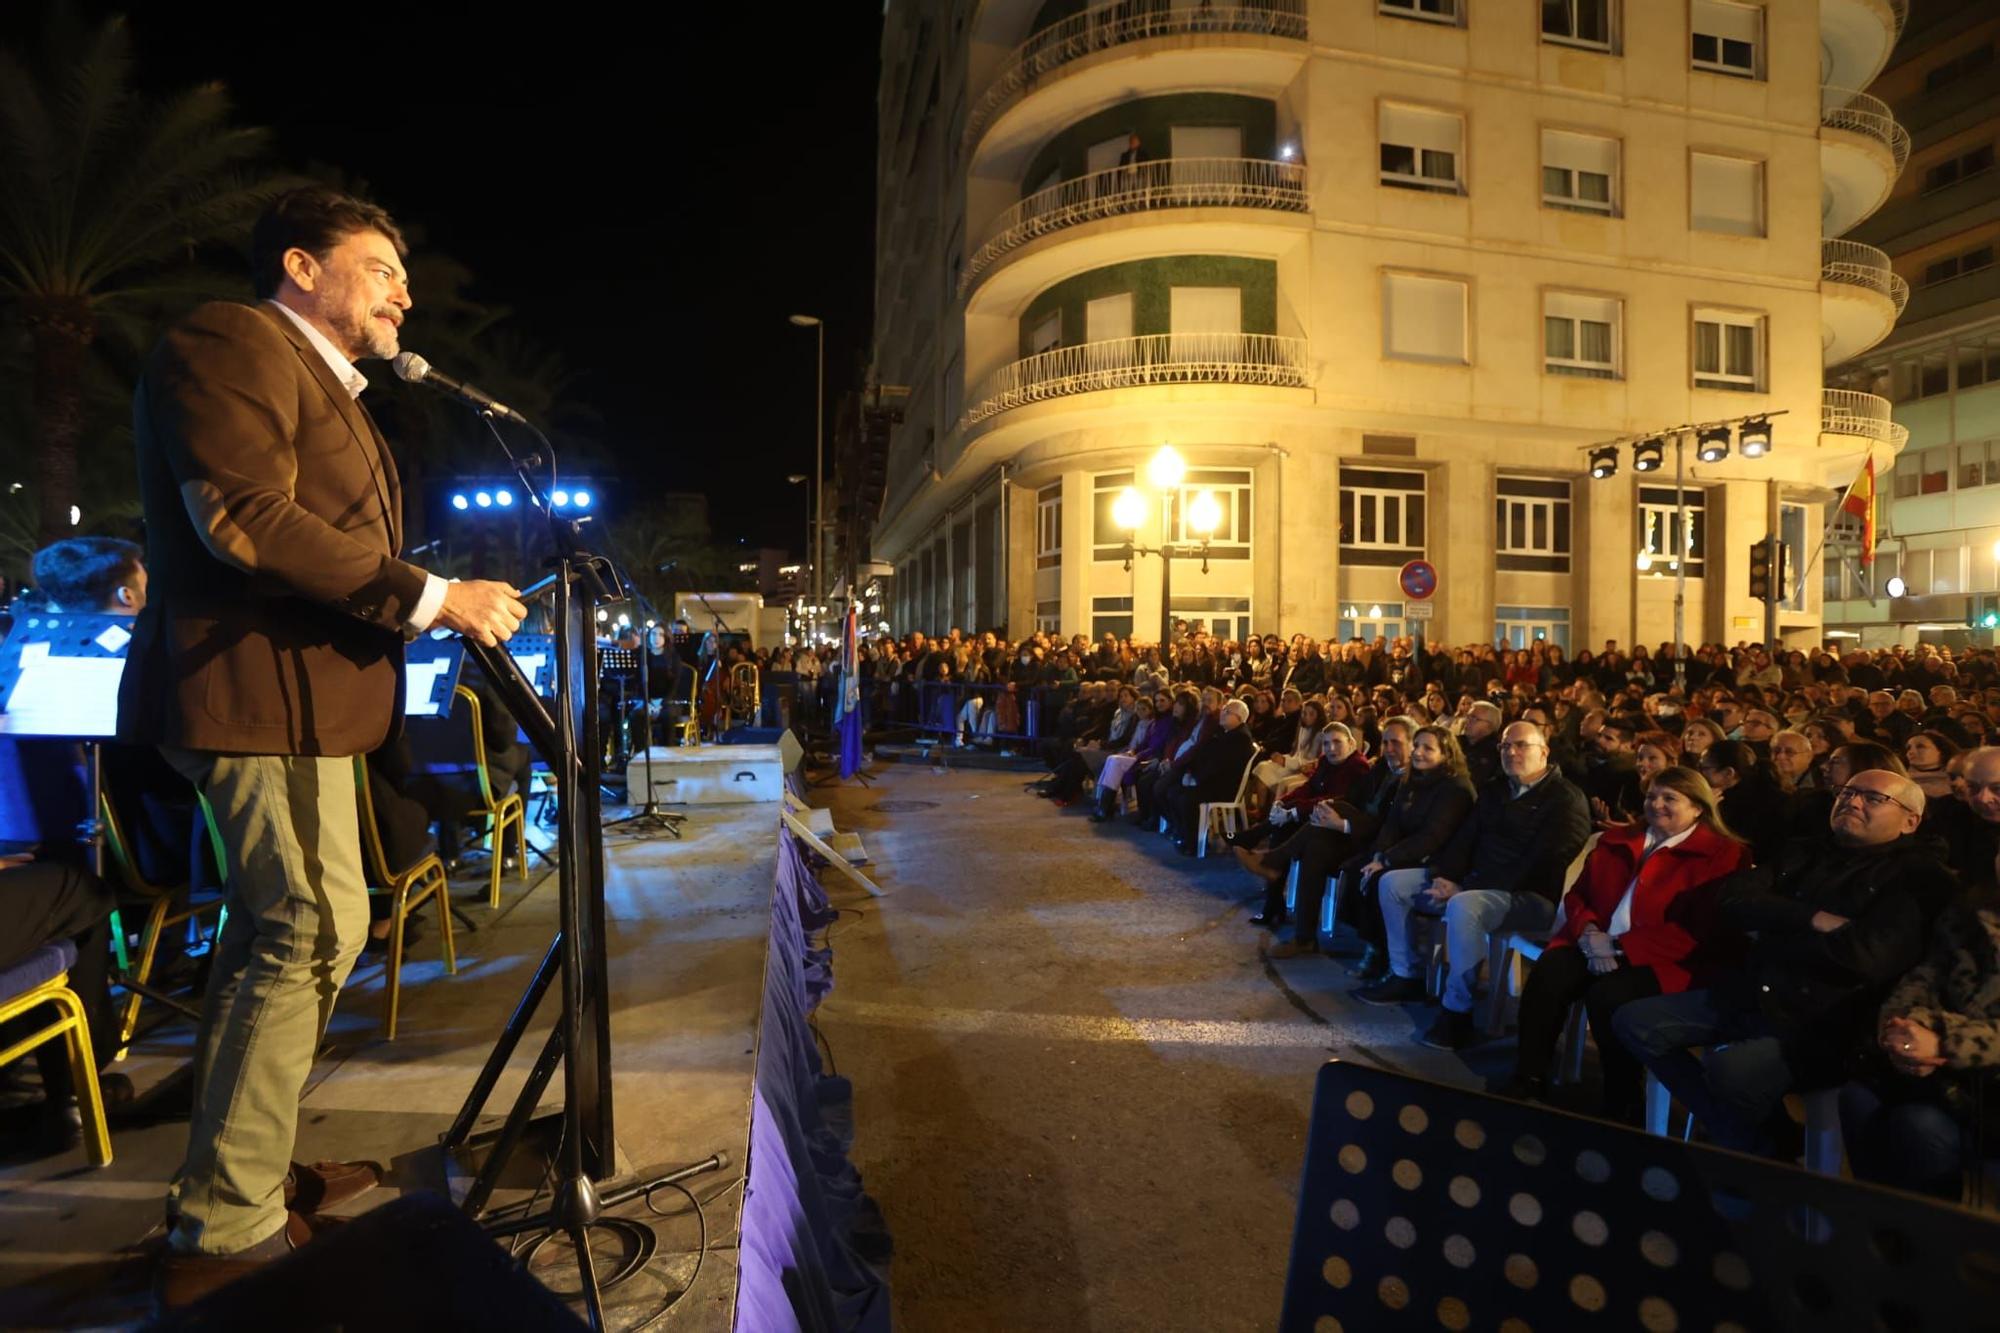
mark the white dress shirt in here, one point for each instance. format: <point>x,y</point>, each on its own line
<point>1621,920</point>
<point>354,382</point>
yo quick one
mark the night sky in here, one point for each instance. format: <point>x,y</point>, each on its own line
<point>652,194</point>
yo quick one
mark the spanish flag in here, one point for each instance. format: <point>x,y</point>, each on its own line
<point>1860,502</point>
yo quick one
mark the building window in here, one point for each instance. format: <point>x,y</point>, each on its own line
<point>1422,149</point>
<point>1110,615</point>
<point>1370,621</point>
<point>1107,539</point>
<point>1961,168</point>
<point>1957,266</point>
<point>1531,524</point>
<point>1048,617</point>
<point>1431,11</point>
<point>1728,350</point>
<point>1960,66</point>
<point>1979,362</point>
<point>1726,194</point>
<point>1924,376</point>
<point>1662,543</point>
<point>1231,488</point>
<point>1525,626</point>
<point>1579,172</point>
<point>1222,617</point>
<point>1046,336</point>
<point>1978,464</point>
<point>1423,318</point>
<point>1381,516</point>
<point>1578,23</point>
<point>1048,527</point>
<point>1727,37</point>
<point>1923,472</point>
<point>1580,335</point>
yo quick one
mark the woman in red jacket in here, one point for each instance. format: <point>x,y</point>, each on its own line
<point>1635,925</point>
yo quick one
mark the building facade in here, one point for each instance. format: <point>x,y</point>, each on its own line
<point>1378,271</point>
<point>1939,518</point>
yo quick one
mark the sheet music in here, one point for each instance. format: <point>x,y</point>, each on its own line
<point>420,698</point>
<point>531,665</point>
<point>65,696</point>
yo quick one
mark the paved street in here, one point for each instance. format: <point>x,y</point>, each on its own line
<point>1080,1093</point>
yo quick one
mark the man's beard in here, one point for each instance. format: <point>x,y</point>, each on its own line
<point>369,339</point>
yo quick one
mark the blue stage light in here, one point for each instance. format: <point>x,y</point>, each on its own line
<point>483,499</point>
<point>458,501</point>
<point>503,498</point>
<point>560,499</point>
<point>582,499</point>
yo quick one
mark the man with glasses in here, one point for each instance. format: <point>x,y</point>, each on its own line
<point>1502,871</point>
<point>1837,921</point>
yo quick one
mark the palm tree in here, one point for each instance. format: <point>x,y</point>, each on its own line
<point>111,198</point>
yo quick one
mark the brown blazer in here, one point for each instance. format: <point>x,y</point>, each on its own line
<point>273,517</point>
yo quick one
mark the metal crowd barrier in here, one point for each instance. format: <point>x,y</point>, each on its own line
<point>940,704</point>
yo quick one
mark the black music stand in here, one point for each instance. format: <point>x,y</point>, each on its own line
<point>580,1041</point>
<point>59,674</point>
<point>648,818</point>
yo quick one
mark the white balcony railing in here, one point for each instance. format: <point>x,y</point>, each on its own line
<point>1125,363</point>
<point>1861,265</point>
<point>1102,27</point>
<point>1901,9</point>
<point>1859,113</point>
<point>1181,182</point>
<point>1848,412</point>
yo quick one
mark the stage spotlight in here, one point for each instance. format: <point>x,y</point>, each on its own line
<point>581,499</point>
<point>484,499</point>
<point>1753,437</point>
<point>458,501</point>
<point>560,499</point>
<point>1713,444</point>
<point>1646,454</point>
<point>503,498</point>
<point>1604,462</point>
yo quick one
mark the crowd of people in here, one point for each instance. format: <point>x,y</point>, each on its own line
<point>1770,872</point>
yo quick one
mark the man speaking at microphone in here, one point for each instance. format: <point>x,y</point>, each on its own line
<point>269,653</point>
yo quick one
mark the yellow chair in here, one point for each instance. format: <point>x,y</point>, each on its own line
<point>510,810</point>
<point>44,978</point>
<point>409,889</point>
<point>160,913</point>
<point>690,723</point>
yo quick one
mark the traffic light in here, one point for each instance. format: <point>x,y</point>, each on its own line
<point>1760,570</point>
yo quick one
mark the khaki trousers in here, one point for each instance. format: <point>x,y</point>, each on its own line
<point>298,914</point>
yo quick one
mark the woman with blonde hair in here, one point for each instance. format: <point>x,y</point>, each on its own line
<point>1697,734</point>
<point>1637,924</point>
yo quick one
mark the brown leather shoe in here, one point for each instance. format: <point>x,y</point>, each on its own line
<point>1254,863</point>
<point>323,1185</point>
<point>183,1279</point>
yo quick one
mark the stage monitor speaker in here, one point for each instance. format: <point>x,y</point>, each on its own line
<point>1427,1207</point>
<point>415,1263</point>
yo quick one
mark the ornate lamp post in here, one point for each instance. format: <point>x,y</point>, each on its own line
<point>1164,474</point>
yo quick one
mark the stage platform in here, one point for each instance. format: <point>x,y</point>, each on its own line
<point>690,925</point>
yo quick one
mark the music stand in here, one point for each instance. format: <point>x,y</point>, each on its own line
<point>59,674</point>
<point>431,663</point>
<point>648,818</point>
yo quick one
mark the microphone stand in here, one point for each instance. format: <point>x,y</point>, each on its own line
<point>649,818</point>
<point>585,1157</point>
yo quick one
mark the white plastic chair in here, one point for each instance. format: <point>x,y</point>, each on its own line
<point>1233,816</point>
<point>1328,902</point>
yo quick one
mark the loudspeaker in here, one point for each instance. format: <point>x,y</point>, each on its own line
<point>416,1263</point>
<point>788,744</point>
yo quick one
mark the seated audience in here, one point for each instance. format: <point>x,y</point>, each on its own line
<point>1837,921</point>
<point>1340,766</point>
<point>1925,755</point>
<point>1907,1121</point>
<point>1481,740</point>
<point>1279,772</point>
<point>1792,759</point>
<point>1752,802</point>
<point>1635,925</point>
<point>1213,772</point>
<point>1429,804</point>
<point>1335,827</point>
<point>1502,870</point>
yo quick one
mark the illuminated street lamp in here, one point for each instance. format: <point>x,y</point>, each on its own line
<point>1164,473</point>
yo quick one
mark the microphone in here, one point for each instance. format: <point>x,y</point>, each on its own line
<point>416,370</point>
<point>431,545</point>
<point>665,566</point>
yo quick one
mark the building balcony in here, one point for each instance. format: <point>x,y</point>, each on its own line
<point>1855,38</point>
<point>1861,152</point>
<point>1863,416</point>
<point>1860,298</point>
<point>1177,183</point>
<point>1257,359</point>
<point>1087,62</point>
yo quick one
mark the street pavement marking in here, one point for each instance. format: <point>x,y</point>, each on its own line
<point>1090,1027</point>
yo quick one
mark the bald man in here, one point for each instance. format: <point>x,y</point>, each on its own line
<point>1838,920</point>
<point>1969,825</point>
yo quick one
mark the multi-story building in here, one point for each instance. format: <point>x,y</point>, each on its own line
<point>1939,517</point>
<point>1379,271</point>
